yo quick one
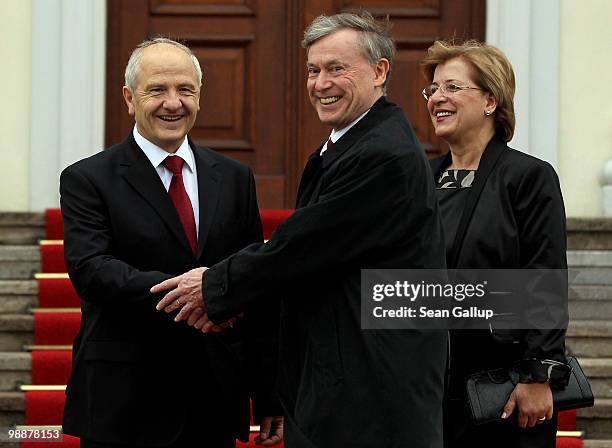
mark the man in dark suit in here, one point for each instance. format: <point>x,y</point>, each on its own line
<point>140,212</point>
<point>366,200</point>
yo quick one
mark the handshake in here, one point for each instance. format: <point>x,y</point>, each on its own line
<point>185,294</point>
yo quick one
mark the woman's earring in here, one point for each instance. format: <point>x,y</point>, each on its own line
<point>488,113</point>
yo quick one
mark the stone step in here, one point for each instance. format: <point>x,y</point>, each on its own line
<point>21,228</point>
<point>18,296</point>
<point>19,262</point>
<point>589,233</point>
<point>593,443</point>
<point>590,302</point>
<point>590,310</point>
<point>590,292</point>
<point>585,258</point>
<point>595,329</point>
<point>599,373</point>
<point>15,370</point>
<point>16,330</point>
<point>599,275</point>
<point>12,405</point>
<point>597,420</point>
<point>590,339</point>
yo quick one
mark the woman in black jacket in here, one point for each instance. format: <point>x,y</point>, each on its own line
<point>501,209</point>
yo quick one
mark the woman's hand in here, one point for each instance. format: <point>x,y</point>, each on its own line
<point>534,402</point>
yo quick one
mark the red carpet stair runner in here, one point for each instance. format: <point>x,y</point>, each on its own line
<point>56,323</point>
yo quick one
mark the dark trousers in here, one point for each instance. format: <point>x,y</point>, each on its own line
<point>460,433</point>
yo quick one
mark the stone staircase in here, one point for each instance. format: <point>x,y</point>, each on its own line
<point>19,261</point>
<point>589,335</point>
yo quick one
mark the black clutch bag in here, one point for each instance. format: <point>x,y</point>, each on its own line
<point>488,392</point>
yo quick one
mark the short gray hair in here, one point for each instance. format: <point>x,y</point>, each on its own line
<point>375,37</point>
<point>133,65</point>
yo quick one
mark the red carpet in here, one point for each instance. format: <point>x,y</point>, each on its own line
<point>567,421</point>
<point>57,293</point>
<point>56,328</point>
<point>52,257</point>
<point>569,442</point>
<point>271,219</point>
<point>44,407</point>
<point>53,224</point>
<point>67,442</point>
<point>51,367</point>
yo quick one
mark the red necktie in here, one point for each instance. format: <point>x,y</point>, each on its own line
<point>180,199</point>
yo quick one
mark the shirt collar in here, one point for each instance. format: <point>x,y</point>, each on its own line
<point>156,155</point>
<point>336,134</point>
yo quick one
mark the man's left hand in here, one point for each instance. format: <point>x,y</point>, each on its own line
<point>270,431</point>
<point>185,294</point>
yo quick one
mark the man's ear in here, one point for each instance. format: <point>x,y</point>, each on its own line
<point>129,100</point>
<point>381,70</point>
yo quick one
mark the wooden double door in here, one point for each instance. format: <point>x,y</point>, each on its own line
<point>254,105</point>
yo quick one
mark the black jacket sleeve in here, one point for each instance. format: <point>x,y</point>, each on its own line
<point>97,275</point>
<point>540,216</point>
<point>355,218</point>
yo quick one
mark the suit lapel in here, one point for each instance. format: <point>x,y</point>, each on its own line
<point>209,187</point>
<point>310,182</point>
<point>489,159</point>
<point>141,175</point>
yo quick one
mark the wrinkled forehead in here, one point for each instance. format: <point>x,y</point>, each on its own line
<point>166,60</point>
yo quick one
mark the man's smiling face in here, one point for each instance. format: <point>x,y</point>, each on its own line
<point>342,84</point>
<point>166,98</point>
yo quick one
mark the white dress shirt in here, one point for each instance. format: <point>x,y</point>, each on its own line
<point>335,135</point>
<point>156,156</point>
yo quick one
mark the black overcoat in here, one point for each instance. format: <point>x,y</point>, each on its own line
<point>136,373</point>
<point>367,203</point>
<point>515,220</point>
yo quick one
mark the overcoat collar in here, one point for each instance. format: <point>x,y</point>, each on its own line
<point>141,175</point>
<point>491,155</point>
<point>356,132</point>
<point>316,163</point>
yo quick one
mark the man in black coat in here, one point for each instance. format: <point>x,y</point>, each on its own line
<point>131,220</point>
<point>366,200</point>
